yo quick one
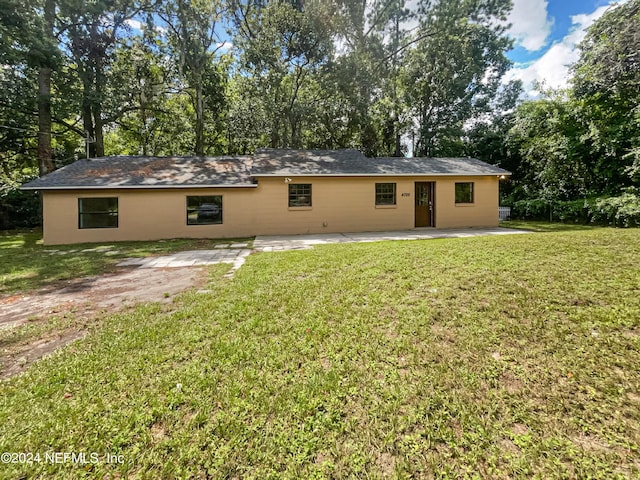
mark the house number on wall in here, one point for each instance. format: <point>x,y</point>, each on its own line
<point>406,194</point>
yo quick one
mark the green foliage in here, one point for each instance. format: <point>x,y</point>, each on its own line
<point>455,70</point>
<point>19,209</point>
<point>584,142</point>
<point>547,136</point>
<point>159,116</point>
<point>281,50</point>
<point>620,211</point>
<point>606,84</point>
<point>219,77</point>
<point>535,209</point>
<point>608,63</point>
<point>574,211</point>
<point>193,41</point>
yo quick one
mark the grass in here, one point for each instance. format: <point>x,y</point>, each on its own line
<point>542,226</point>
<point>27,264</point>
<point>486,357</point>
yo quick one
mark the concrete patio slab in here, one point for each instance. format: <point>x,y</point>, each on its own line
<point>273,243</point>
<point>190,258</point>
<point>237,253</point>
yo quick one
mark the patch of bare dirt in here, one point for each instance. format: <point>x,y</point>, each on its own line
<point>511,383</point>
<point>590,443</point>
<point>387,464</point>
<point>519,429</point>
<point>16,359</point>
<point>508,446</point>
<point>158,432</point>
<point>83,299</point>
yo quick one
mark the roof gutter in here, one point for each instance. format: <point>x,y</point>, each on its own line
<point>137,187</point>
<point>497,174</point>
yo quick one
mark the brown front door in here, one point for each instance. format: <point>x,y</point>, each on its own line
<point>424,204</point>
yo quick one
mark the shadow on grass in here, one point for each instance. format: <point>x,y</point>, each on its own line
<point>539,226</point>
<point>27,264</point>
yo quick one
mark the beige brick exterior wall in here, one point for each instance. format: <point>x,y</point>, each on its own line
<point>339,204</point>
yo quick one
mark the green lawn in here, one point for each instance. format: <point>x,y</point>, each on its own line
<point>25,263</point>
<point>488,357</point>
<point>540,226</point>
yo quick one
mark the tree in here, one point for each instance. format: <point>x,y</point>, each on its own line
<point>144,80</point>
<point>89,33</point>
<point>194,42</point>
<point>454,70</point>
<point>46,61</point>
<point>555,163</point>
<point>18,127</point>
<point>282,46</point>
<point>373,40</point>
<point>606,84</point>
<point>29,44</point>
<point>487,138</point>
<point>246,121</point>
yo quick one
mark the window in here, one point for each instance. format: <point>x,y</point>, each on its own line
<point>299,194</point>
<point>464,192</point>
<point>385,193</point>
<point>98,212</point>
<point>204,210</point>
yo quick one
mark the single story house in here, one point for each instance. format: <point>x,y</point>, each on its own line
<point>268,193</point>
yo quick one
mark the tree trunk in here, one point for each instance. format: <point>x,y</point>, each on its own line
<point>275,132</point>
<point>87,122</point>
<point>99,136</point>
<point>145,131</point>
<point>199,120</point>
<point>397,150</point>
<point>398,146</point>
<point>45,162</point>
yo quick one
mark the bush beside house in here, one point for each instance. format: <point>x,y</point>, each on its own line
<point>19,209</point>
<point>621,211</point>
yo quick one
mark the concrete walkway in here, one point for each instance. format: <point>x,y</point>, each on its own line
<point>236,253</point>
<point>274,243</point>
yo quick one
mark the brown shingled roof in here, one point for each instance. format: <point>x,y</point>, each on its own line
<point>149,172</point>
<point>184,172</point>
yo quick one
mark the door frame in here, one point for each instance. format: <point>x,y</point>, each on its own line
<point>431,186</point>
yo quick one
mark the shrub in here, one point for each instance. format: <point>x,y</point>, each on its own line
<point>622,211</point>
<point>536,209</point>
<point>19,209</point>
<point>574,211</point>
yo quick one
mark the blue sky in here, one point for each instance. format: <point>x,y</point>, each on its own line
<point>546,34</point>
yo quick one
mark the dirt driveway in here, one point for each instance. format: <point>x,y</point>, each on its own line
<point>77,303</point>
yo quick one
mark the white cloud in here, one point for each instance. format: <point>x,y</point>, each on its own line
<point>530,24</point>
<point>139,26</point>
<point>135,24</point>
<point>552,68</point>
